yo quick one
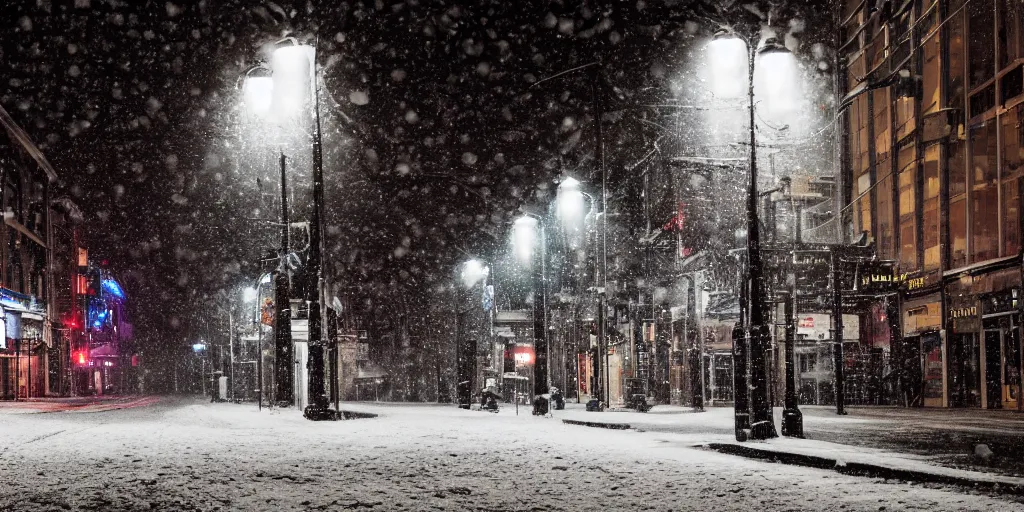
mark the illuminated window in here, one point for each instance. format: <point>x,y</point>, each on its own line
<point>907,166</point>
<point>931,74</point>
<point>883,195</point>
<point>984,193</point>
<point>930,202</point>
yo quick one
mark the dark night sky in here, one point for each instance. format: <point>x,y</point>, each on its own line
<point>433,134</point>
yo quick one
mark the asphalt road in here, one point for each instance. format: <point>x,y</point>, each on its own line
<point>186,454</point>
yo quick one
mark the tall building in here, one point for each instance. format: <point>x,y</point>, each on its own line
<point>28,356</point>
<point>933,149</point>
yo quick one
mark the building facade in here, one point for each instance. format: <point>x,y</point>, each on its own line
<point>933,132</point>
<point>30,359</point>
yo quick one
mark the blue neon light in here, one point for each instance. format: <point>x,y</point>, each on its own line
<point>110,286</point>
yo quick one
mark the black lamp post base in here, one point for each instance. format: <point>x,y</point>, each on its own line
<point>742,426</point>
<point>792,423</point>
<point>763,430</point>
<point>319,412</point>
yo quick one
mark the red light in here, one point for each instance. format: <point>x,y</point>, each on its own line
<point>81,358</point>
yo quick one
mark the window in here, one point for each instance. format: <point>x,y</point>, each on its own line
<point>876,50</point>
<point>956,62</point>
<point>863,214</point>
<point>957,169</point>
<point>1009,34</point>
<point>859,161</point>
<point>904,113</point>
<point>930,203</point>
<point>957,166</point>
<point>1012,159</point>
<point>1013,141</point>
<point>908,207</point>
<point>983,154</point>
<point>883,194</point>
<point>958,233</point>
<point>1011,217</point>
<point>984,193</point>
<point>931,74</point>
<point>981,44</point>
<point>883,135</point>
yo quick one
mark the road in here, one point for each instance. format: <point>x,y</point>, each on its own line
<point>188,454</point>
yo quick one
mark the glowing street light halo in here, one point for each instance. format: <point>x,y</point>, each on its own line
<point>473,271</point>
<point>524,238</point>
<point>258,91</point>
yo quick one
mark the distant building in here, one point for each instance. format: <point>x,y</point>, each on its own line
<point>103,352</point>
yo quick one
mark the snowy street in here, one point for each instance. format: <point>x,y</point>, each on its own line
<point>187,454</point>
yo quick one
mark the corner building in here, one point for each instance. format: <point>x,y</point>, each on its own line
<point>932,134</point>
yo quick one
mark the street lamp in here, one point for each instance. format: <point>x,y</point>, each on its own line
<point>759,419</point>
<point>258,93</point>
<point>571,208</point>
<point>199,348</point>
<point>528,239</point>
<point>471,273</point>
<point>294,76</point>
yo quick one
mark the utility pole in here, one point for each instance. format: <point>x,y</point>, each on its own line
<point>283,375</point>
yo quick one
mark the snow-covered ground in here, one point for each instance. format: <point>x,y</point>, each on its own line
<point>193,455</point>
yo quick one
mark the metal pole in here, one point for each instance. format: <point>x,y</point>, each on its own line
<point>231,356</point>
<point>540,341</point>
<point>319,406</point>
<point>792,418</point>
<point>259,357</point>
<point>762,424</point>
<point>283,370</point>
<point>462,379</point>
<point>700,341</point>
<point>837,335</point>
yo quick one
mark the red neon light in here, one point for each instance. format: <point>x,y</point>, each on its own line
<point>81,358</point>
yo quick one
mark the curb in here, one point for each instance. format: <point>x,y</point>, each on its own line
<point>598,424</point>
<point>862,469</point>
<point>353,415</point>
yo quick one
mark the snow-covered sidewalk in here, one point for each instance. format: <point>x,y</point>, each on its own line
<point>194,455</point>
<point>714,428</point>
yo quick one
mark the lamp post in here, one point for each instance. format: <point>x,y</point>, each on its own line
<point>471,273</point>
<point>258,93</point>
<point>294,77</point>
<point>761,422</point>
<point>529,242</point>
<point>572,210</point>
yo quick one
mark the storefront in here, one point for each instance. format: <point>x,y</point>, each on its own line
<point>984,352</point>
<point>24,365</point>
<point>1000,346</point>
<point>920,355</point>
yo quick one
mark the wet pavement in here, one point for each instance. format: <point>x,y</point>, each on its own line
<point>948,436</point>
